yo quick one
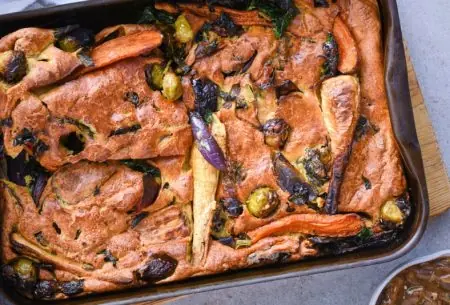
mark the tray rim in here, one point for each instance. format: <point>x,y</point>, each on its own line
<point>392,38</point>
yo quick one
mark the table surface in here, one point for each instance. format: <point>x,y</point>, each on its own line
<point>426,27</point>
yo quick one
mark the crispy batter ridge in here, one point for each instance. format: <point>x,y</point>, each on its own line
<point>96,105</point>
<point>375,156</point>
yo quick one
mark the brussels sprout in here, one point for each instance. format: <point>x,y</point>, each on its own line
<point>262,202</point>
<point>183,30</point>
<point>13,66</point>
<point>157,76</point>
<point>160,266</point>
<point>21,273</point>
<point>171,86</point>
<point>232,206</point>
<point>276,133</point>
<point>391,212</point>
<point>76,39</point>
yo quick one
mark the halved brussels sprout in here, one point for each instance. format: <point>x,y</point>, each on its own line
<point>391,212</point>
<point>262,202</point>
<point>21,273</point>
<point>76,39</point>
<point>171,86</point>
<point>157,76</point>
<point>276,133</point>
<point>183,30</point>
<point>219,228</point>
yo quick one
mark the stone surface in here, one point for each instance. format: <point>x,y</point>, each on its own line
<point>426,28</point>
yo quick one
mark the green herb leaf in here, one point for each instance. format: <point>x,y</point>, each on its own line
<point>365,233</point>
<point>367,183</point>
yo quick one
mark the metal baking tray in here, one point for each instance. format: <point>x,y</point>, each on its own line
<point>97,14</point>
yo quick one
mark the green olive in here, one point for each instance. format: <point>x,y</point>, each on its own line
<point>262,202</point>
<point>157,76</point>
<point>172,89</point>
<point>391,212</point>
<point>183,30</point>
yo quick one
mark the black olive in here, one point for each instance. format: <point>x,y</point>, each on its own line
<point>45,290</point>
<point>14,67</point>
<point>206,94</point>
<point>232,206</point>
<point>160,266</point>
<point>276,133</point>
<point>72,287</point>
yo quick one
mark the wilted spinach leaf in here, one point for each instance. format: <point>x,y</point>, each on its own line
<point>331,54</point>
<point>152,15</point>
<point>280,12</point>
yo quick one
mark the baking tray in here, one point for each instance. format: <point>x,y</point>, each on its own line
<point>97,14</point>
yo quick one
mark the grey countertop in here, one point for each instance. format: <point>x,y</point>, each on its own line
<point>426,27</point>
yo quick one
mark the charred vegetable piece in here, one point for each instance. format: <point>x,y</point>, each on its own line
<point>26,171</point>
<point>26,136</point>
<point>206,94</point>
<point>290,181</point>
<point>363,127</point>
<point>109,257</point>
<point>262,202</point>
<point>138,218</point>
<point>171,86</point>
<point>280,12</point>
<point>13,66</point>
<point>72,287</point>
<point>183,30</point>
<point>224,26</point>
<point>206,143</point>
<point>45,290</point>
<point>132,97</point>
<point>160,266</point>
<point>232,206</point>
<point>276,133</point>
<point>85,59</point>
<point>206,48</point>
<point>142,166</point>
<point>286,88</point>
<point>235,4</point>
<point>125,130</point>
<point>76,39</point>
<point>152,15</point>
<point>331,54</point>
<point>21,274</point>
<point>338,246</point>
<point>151,191</point>
<point>315,169</point>
<point>218,226</point>
<point>321,3</point>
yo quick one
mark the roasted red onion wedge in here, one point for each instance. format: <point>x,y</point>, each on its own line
<point>206,143</point>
